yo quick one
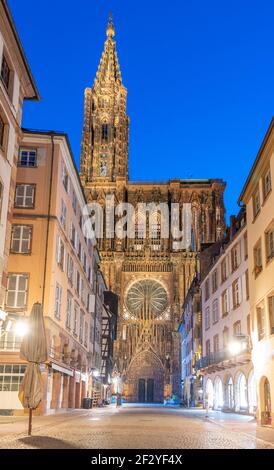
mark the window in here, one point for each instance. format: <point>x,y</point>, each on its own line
<point>27,158</point>
<point>224,270</point>
<point>235,257</point>
<point>75,322</point>
<point>216,343</point>
<point>269,241</point>
<point>271,313</point>
<point>208,347</point>
<point>105,132</point>
<point>78,283</point>
<point>207,289</point>
<point>237,329</point>
<point>267,183</point>
<point>261,322</point>
<point>247,285</point>
<point>9,341</point>
<point>258,266</point>
<point>225,305</point>
<point>207,318</point>
<point>225,337</point>
<point>256,202</point>
<point>74,201</point>
<point>11,376</point>
<point>81,326</point>
<point>17,290</point>
<point>82,288</point>
<point>215,309</point>
<point>21,239</point>
<point>245,246</point>
<point>70,269</point>
<point>65,177</point>
<point>214,281</point>
<point>5,73</point>
<point>236,293</point>
<point>24,195</point>
<point>58,301</point>
<point>60,253</point>
<point>2,132</point>
<point>68,310</point>
<point>63,216</point>
<point>86,334</point>
<point>79,251</point>
<point>72,234</point>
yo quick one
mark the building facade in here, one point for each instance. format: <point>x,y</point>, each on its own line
<point>16,85</point>
<point>258,197</point>
<point>53,262</point>
<point>150,275</point>
<point>229,382</point>
<point>191,331</point>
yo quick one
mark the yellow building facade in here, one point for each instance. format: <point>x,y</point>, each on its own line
<point>51,261</point>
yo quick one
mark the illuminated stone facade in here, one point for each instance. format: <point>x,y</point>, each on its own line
<point>147,350</point>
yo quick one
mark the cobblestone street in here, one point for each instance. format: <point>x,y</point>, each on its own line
<point>136,427</point>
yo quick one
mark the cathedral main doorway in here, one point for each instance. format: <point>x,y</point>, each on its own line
<point>146,391</point>
<point>145,379</point>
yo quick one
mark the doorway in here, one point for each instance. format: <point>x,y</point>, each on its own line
<point>146,390</point>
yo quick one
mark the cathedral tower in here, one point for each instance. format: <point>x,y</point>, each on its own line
<point>104,153</point>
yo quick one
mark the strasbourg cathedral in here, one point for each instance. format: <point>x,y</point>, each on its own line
<point>150,276</point>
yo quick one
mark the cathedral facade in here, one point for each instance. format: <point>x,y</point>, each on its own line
<point>151,275</point>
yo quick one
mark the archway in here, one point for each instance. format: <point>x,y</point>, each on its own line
<point>252,392</point>
<point>218,393</point>
<point>145,379</point>
<point>241,392</point>
<point>210,393</point>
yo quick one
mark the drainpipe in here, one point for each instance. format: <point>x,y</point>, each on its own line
<point>48,220</point>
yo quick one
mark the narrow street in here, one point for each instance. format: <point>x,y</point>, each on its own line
<point>139,427</point>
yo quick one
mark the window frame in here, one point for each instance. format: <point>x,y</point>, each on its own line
<point>16,291</point>
<point>28,150</point>
<point>22,226</point>
<point>16,205</point>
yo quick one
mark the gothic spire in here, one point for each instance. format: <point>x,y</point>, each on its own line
<point>109,69</point>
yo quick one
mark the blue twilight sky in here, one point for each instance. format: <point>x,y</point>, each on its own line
<point>200,79</point>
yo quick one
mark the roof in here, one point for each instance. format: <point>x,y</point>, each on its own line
<point>36,95</point>
<point>257,159</point>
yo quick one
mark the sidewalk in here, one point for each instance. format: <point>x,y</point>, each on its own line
<point>233,422</point>
<point>19,424</point>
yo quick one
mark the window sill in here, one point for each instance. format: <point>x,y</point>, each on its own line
<point>19,253</point>
<point>19,165</point>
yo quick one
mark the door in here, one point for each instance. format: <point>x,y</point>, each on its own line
<point>142,391</point>
<point>150,391</point>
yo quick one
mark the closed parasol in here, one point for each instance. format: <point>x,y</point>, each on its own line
<point>34,350</point>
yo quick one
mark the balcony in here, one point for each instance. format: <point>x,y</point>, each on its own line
<point>224,359</point>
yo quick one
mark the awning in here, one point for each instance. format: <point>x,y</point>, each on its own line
<point>62,369</point>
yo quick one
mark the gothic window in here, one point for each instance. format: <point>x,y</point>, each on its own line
<point>105,132</point>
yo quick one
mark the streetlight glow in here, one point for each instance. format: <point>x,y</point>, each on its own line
<point>235,348</point>
<point>21,328</point>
